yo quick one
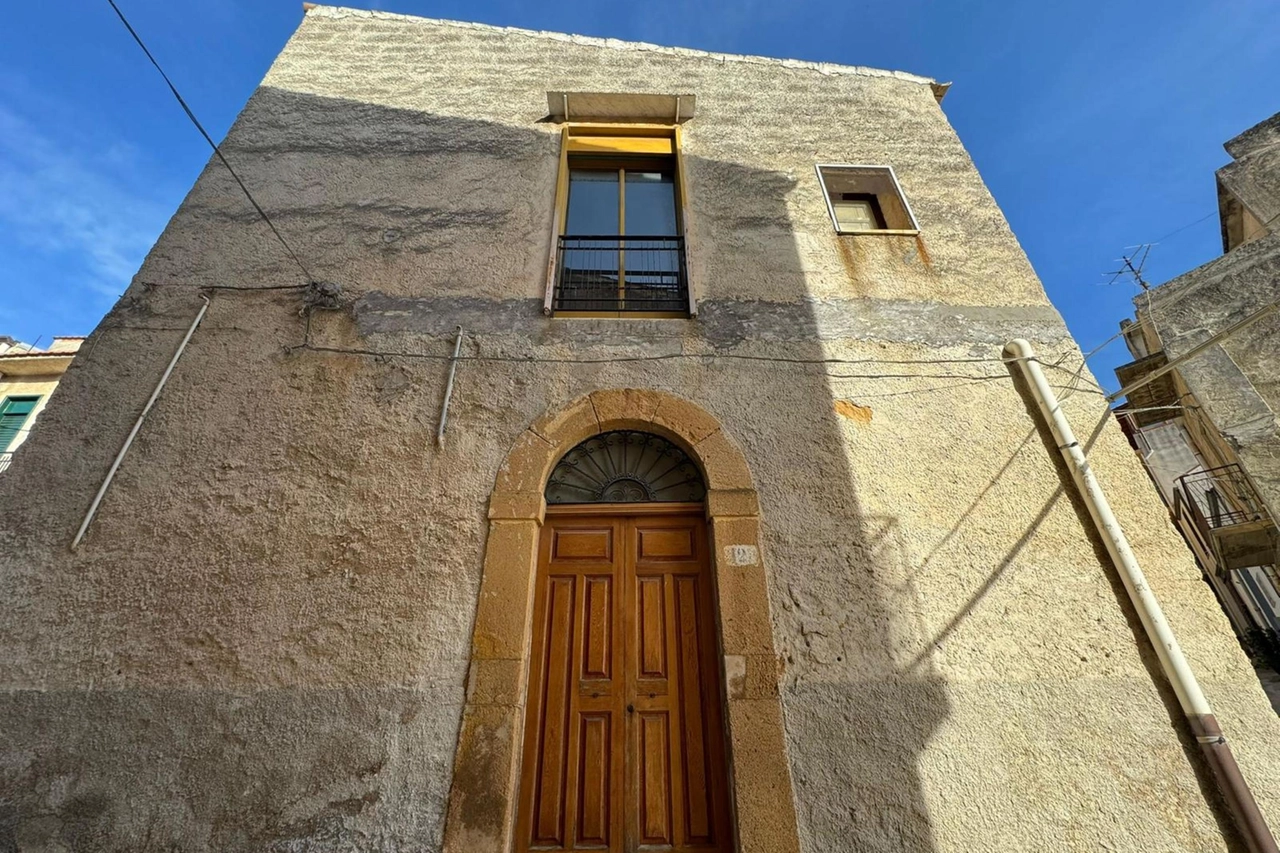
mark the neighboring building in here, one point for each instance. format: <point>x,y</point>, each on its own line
<point>1207,429</point>
<point>741,535</point>
<point>27,378</point>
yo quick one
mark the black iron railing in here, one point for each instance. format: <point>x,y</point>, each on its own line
<point>1221,497</point>
<point>621,274</point>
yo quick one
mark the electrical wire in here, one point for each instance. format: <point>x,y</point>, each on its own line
<point>222,286</point>
<point>1072,388</point>
<point>967,381</point>
<point>1184,227</point>
<point>531,359</point>
<point>376,353</point>
<point>1179,407</point>
<point>1084,360</point>
<point>207,138</point>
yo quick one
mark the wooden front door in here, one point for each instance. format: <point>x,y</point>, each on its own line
<point>624,741</point>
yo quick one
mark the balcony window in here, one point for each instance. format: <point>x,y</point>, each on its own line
<point>620,247</point>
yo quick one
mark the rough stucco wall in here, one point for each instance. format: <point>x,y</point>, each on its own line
<point>1236,381</point>
<point>262,644</point>
<point>1254,176</point>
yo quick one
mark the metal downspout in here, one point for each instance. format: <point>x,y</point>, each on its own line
<point>1232,785</point>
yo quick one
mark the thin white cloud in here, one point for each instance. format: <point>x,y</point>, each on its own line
<point>78,206</point>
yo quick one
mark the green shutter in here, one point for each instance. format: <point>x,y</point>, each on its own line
<point>13,414</point>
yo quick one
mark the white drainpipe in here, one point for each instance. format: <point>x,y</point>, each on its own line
<point>1176,668</point>
<point>137,425</point>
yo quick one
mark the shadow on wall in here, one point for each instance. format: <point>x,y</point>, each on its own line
<point>1191,750</point>
<point>411,202</point>
<point>856,718</point>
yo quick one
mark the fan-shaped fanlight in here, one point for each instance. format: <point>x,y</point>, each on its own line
<point>625,466</point>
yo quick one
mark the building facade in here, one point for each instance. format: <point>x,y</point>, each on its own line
<point>28,375</point>
<point>1207,428</point>
<point>738,534</point>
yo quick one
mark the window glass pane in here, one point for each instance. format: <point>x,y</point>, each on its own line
<point>651,204</point>
<point>589,268</point>
<point>652,265</point>
<point>593,202</point>
<point>855,215</point>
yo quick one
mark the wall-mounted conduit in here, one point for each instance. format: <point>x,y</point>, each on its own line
<point>137,425</point>
<point>1195,706</point>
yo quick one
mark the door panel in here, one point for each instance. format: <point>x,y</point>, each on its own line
<point>594,803</point>
<point>696,772</point>
<point>597,652</point>
<point>665,544</point>
<point>670,553</point>
<point>583,545</point>
<point>555,700</point>
<point>651,621</point>
<point>624,743</point>
<point>655,778</point>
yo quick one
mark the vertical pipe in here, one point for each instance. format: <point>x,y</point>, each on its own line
<point>137,425</point>
<point>1200,718</point>
<point>448,389</point>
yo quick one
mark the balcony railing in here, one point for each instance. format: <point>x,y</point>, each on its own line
<point>1222,496</point>
<point>621,274</point>
<point>1221,511</point>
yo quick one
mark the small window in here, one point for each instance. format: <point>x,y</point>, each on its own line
<point>619,223</point>
<point>14,412</point>
<point>866,200</point>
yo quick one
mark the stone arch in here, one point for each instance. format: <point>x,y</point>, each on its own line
<point>484,791</point>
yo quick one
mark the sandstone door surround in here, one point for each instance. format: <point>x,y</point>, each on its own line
<point>483,796</point>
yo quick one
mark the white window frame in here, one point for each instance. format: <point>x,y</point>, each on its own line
<point>897,187</point>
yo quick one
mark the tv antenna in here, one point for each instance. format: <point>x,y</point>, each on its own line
<point>1132,264</point>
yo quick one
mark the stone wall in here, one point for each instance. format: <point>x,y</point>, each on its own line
<point>1252,179</point>
<point>1237,382</point>
<point>263,642</point>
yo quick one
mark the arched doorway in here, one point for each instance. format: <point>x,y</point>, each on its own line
<point>488,763</point>
<point>624,741</point>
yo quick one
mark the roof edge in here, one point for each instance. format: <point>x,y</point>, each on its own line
<point>828,68</point>
<point>41,354</point>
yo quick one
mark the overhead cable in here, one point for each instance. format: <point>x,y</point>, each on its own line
<point>207,138</point>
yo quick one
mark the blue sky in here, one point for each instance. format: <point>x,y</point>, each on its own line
<point>1096,125</point>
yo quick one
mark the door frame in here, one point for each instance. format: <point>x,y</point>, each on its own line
<point>484,791</point>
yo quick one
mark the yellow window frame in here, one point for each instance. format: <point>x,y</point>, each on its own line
<point>628,139</point>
